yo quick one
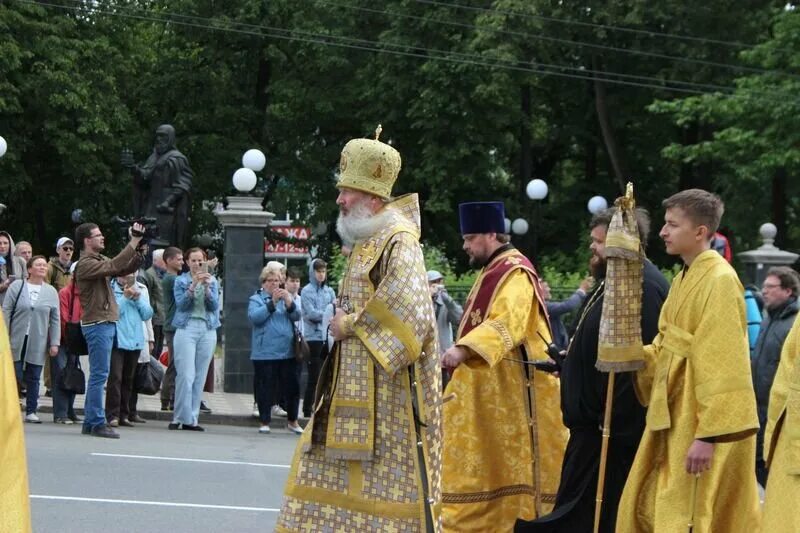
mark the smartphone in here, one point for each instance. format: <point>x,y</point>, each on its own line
<point>206,268</point>
<point>282,285</point>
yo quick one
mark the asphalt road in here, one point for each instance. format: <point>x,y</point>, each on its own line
<point>154,480</point>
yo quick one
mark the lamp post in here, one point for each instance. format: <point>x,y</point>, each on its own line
<point>597,204</point>
<point>537,191</point>
<point>3,147</point>
<point>244,221</point>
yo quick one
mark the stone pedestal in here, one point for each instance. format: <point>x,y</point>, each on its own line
<point>244,221</point>
<point>759,261</point>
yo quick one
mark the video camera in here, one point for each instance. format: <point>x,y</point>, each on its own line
<point>150,227</point>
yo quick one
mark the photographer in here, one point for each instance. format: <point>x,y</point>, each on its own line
<point>100,313</point>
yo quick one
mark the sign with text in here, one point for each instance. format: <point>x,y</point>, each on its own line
<point>274,249</point>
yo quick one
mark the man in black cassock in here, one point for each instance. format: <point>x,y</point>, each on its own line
<point>583,395</point>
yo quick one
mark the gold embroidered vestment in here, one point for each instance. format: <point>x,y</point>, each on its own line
<point>360,465</point>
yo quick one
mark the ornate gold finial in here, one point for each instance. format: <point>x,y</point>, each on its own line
<point>627,202</point>
<point>378,131</point>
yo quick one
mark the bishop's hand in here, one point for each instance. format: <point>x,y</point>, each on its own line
<point>454,356</point>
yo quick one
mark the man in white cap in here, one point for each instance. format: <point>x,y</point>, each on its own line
<point>58,274</point>
<point>369,459</point>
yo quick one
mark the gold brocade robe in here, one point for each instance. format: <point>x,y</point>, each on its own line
<point>503,436</point>
<point>15,515</point>
<point>364,463</point>
<point>696,384</point>
<point>782,441</point>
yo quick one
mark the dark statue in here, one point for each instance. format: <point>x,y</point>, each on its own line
<point>162,188</point>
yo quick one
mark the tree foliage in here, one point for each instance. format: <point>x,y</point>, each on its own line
<point>479,97</point>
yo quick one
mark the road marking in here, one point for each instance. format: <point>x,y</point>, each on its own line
<point>160,504</point>
<point>212,461</point>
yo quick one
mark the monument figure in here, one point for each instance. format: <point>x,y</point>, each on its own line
<point>162,188</point>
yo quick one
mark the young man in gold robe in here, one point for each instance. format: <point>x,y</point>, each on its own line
<point>694,464</point>
<point>369,459</point>
<point>503,436</point>
<point>15,514</point>
<point>782,441</point>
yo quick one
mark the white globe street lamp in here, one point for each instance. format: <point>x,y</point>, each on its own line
<point>244,180</point>
<point>254,159</point>
<point>597,204</point>
<point>536,189</point>
<point>3,147</point>
<point>519,226</point>
<point>507,225</point>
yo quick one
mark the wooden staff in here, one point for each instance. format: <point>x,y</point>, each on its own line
<point>694,502</point>
<point>601,475</point>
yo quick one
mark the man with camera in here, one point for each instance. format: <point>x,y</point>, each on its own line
<point>100,313</point>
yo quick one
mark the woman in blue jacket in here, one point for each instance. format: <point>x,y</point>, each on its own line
<point>272,313</point>
<point>196,321</point>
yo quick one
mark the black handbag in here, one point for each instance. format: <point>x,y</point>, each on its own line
<point>72,377</point>
<point>73,334</point>
<point>149,377</point>
<point>301,349</point>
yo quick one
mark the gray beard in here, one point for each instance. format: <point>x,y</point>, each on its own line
<point>360,224</point>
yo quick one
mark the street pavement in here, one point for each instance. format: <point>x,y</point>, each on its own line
<point>154,480</point>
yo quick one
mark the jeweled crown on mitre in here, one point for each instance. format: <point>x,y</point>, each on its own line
<point>369,165</point>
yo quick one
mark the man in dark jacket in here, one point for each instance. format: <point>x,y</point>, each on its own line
<point>780,302</point>
<point>93,275</point>
<point>583,393</point>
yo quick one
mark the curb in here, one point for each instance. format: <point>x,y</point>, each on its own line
<point>213,418</point>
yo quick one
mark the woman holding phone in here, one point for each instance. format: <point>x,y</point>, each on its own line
<point>196,321</point>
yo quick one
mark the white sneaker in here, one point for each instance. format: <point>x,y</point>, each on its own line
<point>32,418</point>
<point>296,429</point>
<point>277,411</point>
<point>255,410</point>
<point>263,429</point>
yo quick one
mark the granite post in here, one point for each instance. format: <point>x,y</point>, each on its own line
<point>244,221</point>
<point>758,262</point>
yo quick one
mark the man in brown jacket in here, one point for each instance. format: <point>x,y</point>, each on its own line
<point>100,312</point>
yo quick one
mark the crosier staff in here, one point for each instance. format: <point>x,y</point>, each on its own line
<point>620,341</point>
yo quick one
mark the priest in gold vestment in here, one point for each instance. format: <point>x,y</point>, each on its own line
<point>782,441</point>
<point>694,464</point>
<point>503,436</point>
<point>15,515</point>
<point>370,457</point>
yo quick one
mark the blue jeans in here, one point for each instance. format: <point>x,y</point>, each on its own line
<point>194,349</point>
<point>63,401</point>
<point>31,374</point>
<point>100,340</point>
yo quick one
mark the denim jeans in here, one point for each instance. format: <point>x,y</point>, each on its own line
<point>31,374</point>
<point>100,340</point>
<point>194,349</point>
<point>63,401</point>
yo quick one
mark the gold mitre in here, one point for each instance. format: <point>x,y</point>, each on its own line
<point>369,165</point>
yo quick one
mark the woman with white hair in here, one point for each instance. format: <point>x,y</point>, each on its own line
<point>272,312</point>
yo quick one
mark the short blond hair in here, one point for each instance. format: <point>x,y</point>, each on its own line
<point>270,269</point>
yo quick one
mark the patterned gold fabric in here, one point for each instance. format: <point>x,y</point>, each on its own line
<point>782,441</point>
<point>696,384</point>
<point>620,340</point>
<point>15,516</point>
<point>358,465</point>
<point>503,436</point>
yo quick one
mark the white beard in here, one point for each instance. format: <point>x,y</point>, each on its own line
<point>360,224</point>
